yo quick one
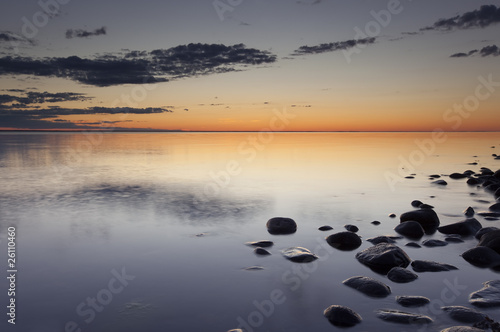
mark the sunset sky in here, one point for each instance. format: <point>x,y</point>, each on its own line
<point>230,65</point>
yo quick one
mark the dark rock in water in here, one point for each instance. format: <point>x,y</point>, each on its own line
<point>464,314</point>
<point>426,206</point>
<point>411,229</point>
<point>280,225</point>
<point>351,228</point>
<point>236,330</point>
<point>497,193</point>
<point>440,182</point>
<point>485,230</point>
<point>392,215</point>
<point>491,218</point>
<point>413,245</point>
<point>381,239</point>
<point>434,243</point>
<point>469,212</point>
<point>397,316</point>
<point>482,257</point>
<point>262,244</point>
<point>486,171</point>
<point>465,228</point>
<point>342,316</point>
<point>495,207</point>
<point>493,187</point>
<point>416,203</point>
<point>497,174</point>
<point>383,256</point>
<point>435,176</point>
<point>325,228</point>
<point>425,217</point>
<point>430,266</point>
<point>254,268</point>
<point>491,240</point>
<point>261,251</point>
<point>453,239</point>
<point>409,177</point>
<point>299,255</point>
<point>412,301</point>
<point>462,329</point>
<point>457,176</point>
<point>489,214</point>
<point>368,286</point>
<point>376,222</point>
<point>488,296</point>
<point>401,275</point>
<point>474,181</point>
<point>469,172</point>
<point>344,240</point>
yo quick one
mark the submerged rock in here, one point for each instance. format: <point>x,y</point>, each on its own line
<point>465,228</point>
<point>430,266</point>
<point>469,212</point>
<point>299,255</point>
<point>491,240</point>
<point>416,203</point>
<point>457,176</point>
<point>376,222</point>
<point>344,240</point>
<point>482,257</point>
<point>412,301</point>
<point>281,225</point>
<point>462,329</point>
<point>401,275</point>
<point>262,244</point>
<point>351,228</point>
<point>402,317</point>
<point>485,230</point>
<point>434,243</point>
<point>383,256</point>
<point>325,228</point>
<point>425,217</point>
<point>495,207</point>
<point>383,239</point>
<point>368,286</point>
<point>413,245</point>
<point>254,268</point>
<point>488,296</point>
<point>453,239</point>
<point>342,316</point>
<point>464,314</point>
<point>261,251</point>
<point>440,182</point>
<point>411,229</point>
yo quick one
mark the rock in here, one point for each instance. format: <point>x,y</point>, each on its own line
<point>482,257</point>
<point>474,181</point>
<point>497,192</point>
<point>492,187</point>
<point>469,212</point>
<point>488,296</point>
<point>383,257</point>
<point>457,176</point>
<point>416,203</point>
<point>299,255</point>
<point>325,228</point>
<point>485,230</point>
<point>261,251</point>
<point>392,215</point>
<point>426,206</point>
<point>434,243</point>
<point>461,329</point>
<point>425,217</point>
<point>401,275</point>
<point>430,266</point>
<point>489,214</point>
<point>435,176</point>
<point>376,222</point>
<point>254,268</point>
<point>409,177</point>
<point>368,286</point>
<point>236,330</point>
<point>262,244</point>
<point>413,245</point>
<point>440,182</point>
<point>351,228</point>
<point>453,239</point>
<point>281,225</point>
<point>381,239</point>
<point>402,317</point>
<point>465,228</point>
<point>495,207</point>
<point>412,301</point>
<point>411,229</point>
<point>491,240</point>
<point>342,316</point>
<point>344,241</point>
<point>463,314</point>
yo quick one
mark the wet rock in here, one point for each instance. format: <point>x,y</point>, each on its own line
<point>342,316</point>
<point>416,203</point>
<point>402,317</point>
<point>482,257</point>
<point>413,245</point>
<point>453,239</point>
<point>488,296</point>
<point>236,330</point>
<point>383,256</point>
<point>344,241</point>
<point>401,275</point>
<point>381,239</point>
<point>474,181</point>
<point>254,268</point>
<point>440,182</point>
<point>461,329</point>
<point>469,212</point>
<point>412,301</point>
<point>376,222</point>
<point>262,244</point>
<point>492,187</point>
<point>281,225</point>
<point>497,193</point>
<point>392,215</point>
<point>261,251</point>
<point>463,314</point>
<point>368,286</point>
<point>325,228</point>
<point>488,324</point>
<point>409,177</point>
<point>489,214</point>
<point>411,229</point>
<point>425,217</point>
<point>435,176</point>
<point>434,243</point>
<point>465,228</point>
<point>457,176</point>
<point>485,230</point>
<point>299,255</point>
<point>430,266</point>
<point>351,228</point>
<point>491,240</point>
<point>495,207</point>
<point>426,206</point>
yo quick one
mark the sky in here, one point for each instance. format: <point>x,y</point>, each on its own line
<point>243,65</point>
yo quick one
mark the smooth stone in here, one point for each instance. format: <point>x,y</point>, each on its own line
<point>434,243</point>
<point>473,181</point>
<point>381,239</point>
<point>430,266</point>
<point>463,314</point>
<point>409,177</point>
<point>453,239</point>
<point>254,268</point>
<point>411,229</point>
<point>425,217</point>
<point>402,317</point>
<point>376,222</point>
<point>262,244</point>
<point>440,182</point>
<point>491,240</point>
<point>413,245</point>
<point>281,225</point>
<point>482,257</point>
<point>342,316</point>
<point>489,214</point>
<point>261,251</point>
<point>488,296</point>
<point>497,193</point>
<point>469,212</point>
<point>493,187</point>
<point>495,207</point>
<point>461,329</point>
<point>383,256</point>
<point>299,255</point>
<point>412,301</point>
<point>325,228</point>
<point>435,176</point>
<point>351,228</point>
<point>485,230</point>
<point>236,330</point>
<point>457,176</point>
<point>401,275</point>
<point>416,203</point>
<point>392,215</point>
<point>368,286</point>
<point>344,241</point>
<point>465,228</point>
<point>426,206</point>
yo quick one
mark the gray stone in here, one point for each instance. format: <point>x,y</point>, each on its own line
<point>281,225</point>
<point>376,222</point>
<point>410,228</point>
<point>402,317</point>
<point>413,245</point>
<point>485,230</point>
<point>488,296</point>
<point>461,329</point>
<point>344,241</point>
<point>495,207</point>
<point>412,301</point>
<point>440,182</point>
<point>383,256</point>
<point>261,251</point>
<point>342,316</point>
<point>491,240</point>
<point>381,239</point>
<point>416,203</point>
<point>299,255</point>
<point>368,286</point>
<point>463,314</point>
<point>465,228</point>
<point>430,266</point>
<point>425,217</point>
<point>351,228</point>
<point>469,212</point>
<point>262,244</point>
<point>453,239</point>
<point>434,243</point>
<point>325,228</point>
<point>401,275</point>
<point>482,257</point>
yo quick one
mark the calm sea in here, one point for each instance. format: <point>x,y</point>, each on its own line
<point>147,231</point>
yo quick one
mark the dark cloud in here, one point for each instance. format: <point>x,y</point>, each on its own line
<point>138,67</point>
<point>42,97</point>
<point>332,47</point>
<point>79,33</point>
<point>485,16</point>
<point>10,40</point>
<point>490,50</point>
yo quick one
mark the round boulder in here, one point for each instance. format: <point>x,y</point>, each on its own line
<point>344,240</point>
<point>482,257</point>
<point>299,255</point>
<point>427,218</point>
<point>491,240</point>
<point>342,316</point>
<point>383,256</point>
<point>411,229</point>
<point>281,225</point>
<point>401,275</point>
<point>368,286</point>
